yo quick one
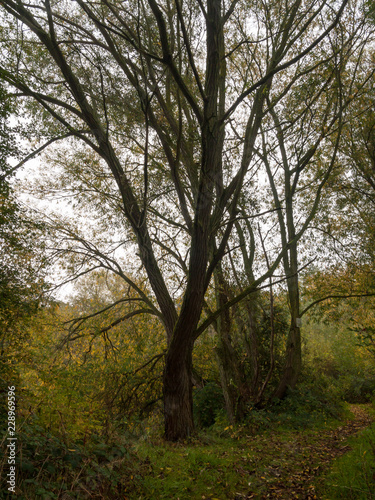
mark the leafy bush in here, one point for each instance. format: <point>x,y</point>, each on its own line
<point>302,407</point>
<point>47,467</point>
<point>336,364</point>
<point>208,401</point>
<point>357,389</point>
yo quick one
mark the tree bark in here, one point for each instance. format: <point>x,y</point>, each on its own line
<point>229,379</point>
<point>234,384</point>
<point>293,355</point>
<point>293,362</point>
<point>178,400</point>
<point>178,395</point>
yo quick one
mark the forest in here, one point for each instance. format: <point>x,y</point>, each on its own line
<point>187,227</point>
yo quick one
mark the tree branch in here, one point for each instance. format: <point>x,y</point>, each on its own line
<point>281,67</point>
<point>349,296</point>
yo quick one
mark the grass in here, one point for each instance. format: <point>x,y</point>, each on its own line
<point>271,455</point>
<point>352,476</point>
<point>282,459</point>
<point>196,470</point>
<point>235,465</point>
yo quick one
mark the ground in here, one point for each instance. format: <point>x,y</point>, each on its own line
<point>303,460</point>
<point>278,462</point>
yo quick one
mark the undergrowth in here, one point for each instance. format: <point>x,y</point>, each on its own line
<point>48,467</point>
<point>221,462</point>
<point>303,408</point>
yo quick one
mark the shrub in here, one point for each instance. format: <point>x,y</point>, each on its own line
<point>48,467</point>
<point>208,401</point>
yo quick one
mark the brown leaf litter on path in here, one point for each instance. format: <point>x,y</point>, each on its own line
<point>296,465</point>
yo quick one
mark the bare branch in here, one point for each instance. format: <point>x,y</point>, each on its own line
<point>338,296</point>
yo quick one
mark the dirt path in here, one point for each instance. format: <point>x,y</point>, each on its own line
<point>296,465</point>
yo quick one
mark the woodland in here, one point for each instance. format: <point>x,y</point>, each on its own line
<point>187,226</point>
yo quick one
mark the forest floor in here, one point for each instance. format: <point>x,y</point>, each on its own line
<point>277,456</point>
<point>279,463</point>
<point>306,458</point>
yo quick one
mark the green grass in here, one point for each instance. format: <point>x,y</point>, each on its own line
<point>196,470</point>
<point>352,476</point>
<point>273,452</point>
<point>235,464</point>
<point>241,461</point>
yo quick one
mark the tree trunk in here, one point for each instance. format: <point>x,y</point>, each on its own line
<point>293,362</point>
<point>178,395</point>
<point>293,355</point>
<point>231,381</point>
<point>250,335</point>
<point>234,384</point>
<point>178,399</point>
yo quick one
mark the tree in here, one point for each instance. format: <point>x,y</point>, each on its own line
<point>21,268</point>
<point>164,114</point>
<point>301,140</point>
<point>110,375</point>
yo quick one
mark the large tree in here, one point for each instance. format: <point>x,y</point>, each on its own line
<point>169,97</point>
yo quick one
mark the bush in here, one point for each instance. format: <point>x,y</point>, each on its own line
<point>336,364</point>
<point>302,407</point>
<point>208,402</point>
<point>48,467</point>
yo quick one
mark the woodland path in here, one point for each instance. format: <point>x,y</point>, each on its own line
<point>296,465</point>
